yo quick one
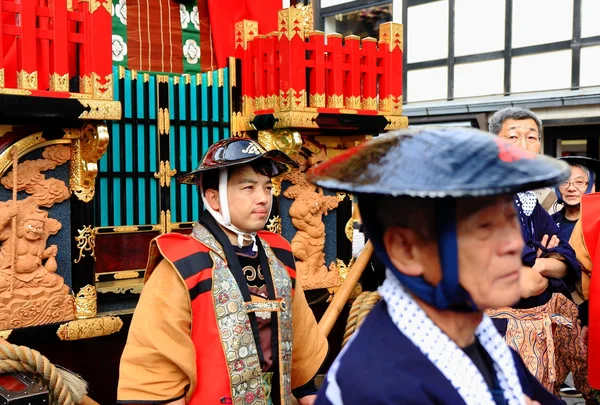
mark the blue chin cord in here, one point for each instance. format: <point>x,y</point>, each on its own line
<point>448,294</point>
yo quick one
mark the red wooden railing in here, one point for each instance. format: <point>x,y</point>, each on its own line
<point>291,70</point>
<point>45,43</point>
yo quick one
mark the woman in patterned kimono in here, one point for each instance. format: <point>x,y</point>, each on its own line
<point>543,325</point>
<point>437,204</point>
<point>221,318</point>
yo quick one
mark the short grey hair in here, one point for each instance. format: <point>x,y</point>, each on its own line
<point>583,169</point>
<point>515,113</point>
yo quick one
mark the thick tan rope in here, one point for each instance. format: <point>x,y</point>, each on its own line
<point>361,307</point>
<point>15,358</point>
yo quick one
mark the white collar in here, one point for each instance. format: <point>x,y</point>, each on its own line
<point>527,201</point>
<point>447,357</point>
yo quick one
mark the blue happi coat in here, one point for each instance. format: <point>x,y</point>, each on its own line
<point>381,366</point>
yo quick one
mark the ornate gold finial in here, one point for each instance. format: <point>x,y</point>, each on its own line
<point>87,151</point>
<point>165,173</point>
<point>285,140</point>
<point>349,229</point>
<point>27,81</point>
<point>86,303</point>
<point>393,34</point>
<point>274,224</point>
<point>308,17</point>
<point>86,242</point>
<point>89,328</point>
<point>343,271</point>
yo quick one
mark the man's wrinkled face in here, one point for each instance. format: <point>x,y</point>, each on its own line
<point>523,133</point>
<point>489,251</point>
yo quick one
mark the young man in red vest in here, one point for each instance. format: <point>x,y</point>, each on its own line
<point>221,319</point>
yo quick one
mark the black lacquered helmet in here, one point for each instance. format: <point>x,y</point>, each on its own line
<point>238,151</point>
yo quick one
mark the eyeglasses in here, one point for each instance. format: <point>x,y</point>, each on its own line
<point>530,138</point>
<point>577,184</point>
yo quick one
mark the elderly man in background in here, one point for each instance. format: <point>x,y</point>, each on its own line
<point>543,325</point>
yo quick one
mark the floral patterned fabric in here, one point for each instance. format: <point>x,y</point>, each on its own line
<point>159,36</point>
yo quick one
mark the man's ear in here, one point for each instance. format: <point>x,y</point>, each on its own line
<point>212,196</point>
<point>404,248</point>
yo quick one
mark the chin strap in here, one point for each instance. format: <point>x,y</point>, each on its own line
<point>448,293</point>
<point>224,217</point>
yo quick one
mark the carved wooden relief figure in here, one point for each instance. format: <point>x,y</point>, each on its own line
<point>31,293</point>
<point>306,213</point>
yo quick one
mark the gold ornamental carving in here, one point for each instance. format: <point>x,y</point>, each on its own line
<point>102,91</point>
<point>343,271</point>
<point>353,102</point>
<point>349,229</point>
<point>340,196</point>
<point>59,82</point>
<point>260,103</point>
<point>220,78</point>
<point>87,151</point>
<point>1,77</point>
<point>16,92</point>
<point>291,100</point>
<point>125,229</point>
<point>370,103</point>
<point>4,129</point>
<point>126,275</point>
<point>391,105</point>
<point>272,102</point>
<point>308,17</point>
<point>165,222</point>
<point>247,105</point>
<point>295,119</point>
<point>291,23</point>
<point>240,124</point>
<point>165,173</point>
<point>86,303</point>
<point>393,34</point>
<point>232,72</point>
<point>164,121</point>
<point>85,84</point>
<point>89,328</point>
<point>96,4</point>
<point>209,78</point>
<point>274,224</point>
<point>23,146</point>
<point>27,81</point>
<point>245,31</point>
<point>396,122</point>
<point>86,242</point>
<point>284,140</point>
<point>317,100</point>
<point>100,110</point>
<point>335,101</point>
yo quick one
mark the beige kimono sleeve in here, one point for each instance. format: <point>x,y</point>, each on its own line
<point>159,360</point>
<point>577,242</point>
<point>309,345</point>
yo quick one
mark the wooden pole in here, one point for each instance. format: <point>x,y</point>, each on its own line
<point>341,297</point>
<point>13,255</point>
